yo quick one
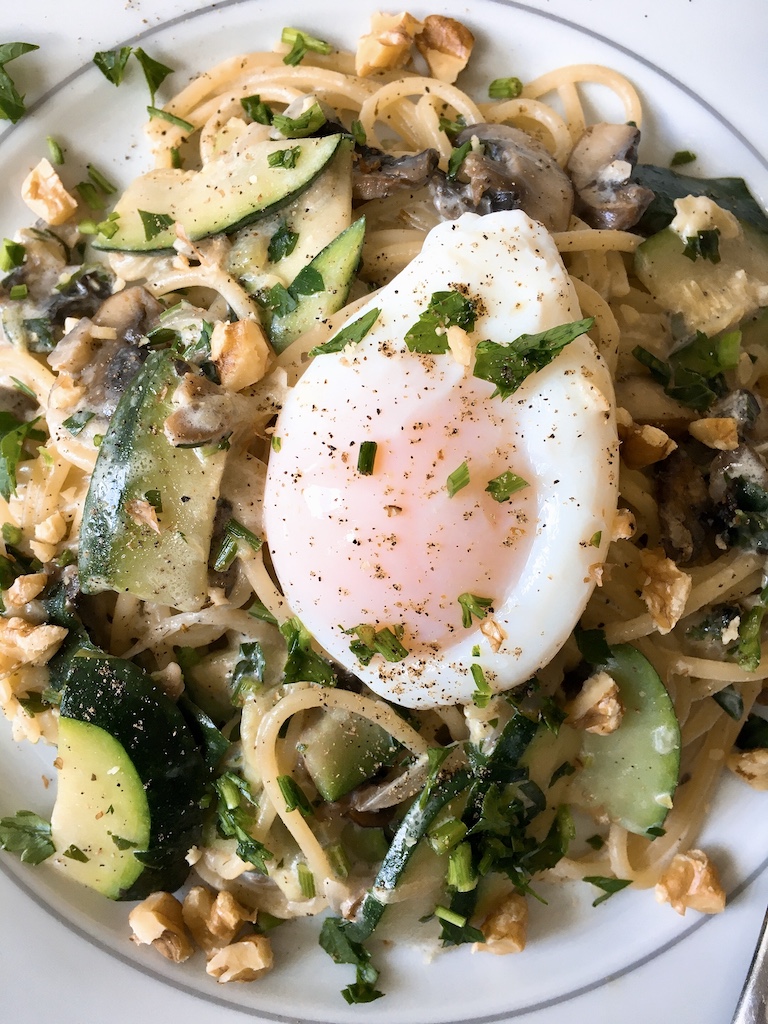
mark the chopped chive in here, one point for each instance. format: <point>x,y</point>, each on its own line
<point>503,486</point>
<point>458,479</point>
<point>302,126</point>
<point>306,880</point>
<point>284,157</point>
<point>608,885</point>
<point>461,873</point>
<point>25,389</point>
<point>505,88</point>
<point>234,532</point>
<point>260,611</point>
<point>483,691</point>
<point>55,151</point>
<point>77,421</point>
<point>445,836</point>
<point>98,179</point>
<point>90,195</point>
<point>457,157</point>
<point>294,796</point>
<point>259,112</point>
<point>358,132</point>
<point>339,860</point>
<point>12,535</point>
<point>175,158</point>
<point>19,291</point>
<point>166,115</point>
<point>301,43</point>
<point>366,458</point>
<point>471,605</point>
<point>276,443</point>
<point>450,916</point>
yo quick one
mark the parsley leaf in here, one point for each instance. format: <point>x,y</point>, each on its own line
<point>248,673</point>
<point>282,243</point>
<point>457,158</point>
<point>370,641</point>
<point>352,334</point>
<point>12,106</point>
<point>308,123</point>
<point>236,812</point>
<point>257,111</point>
<point>507,366</point>
<point>343,949</point>
<point>155,73</point>
<point>111,63</point>
<point>28,835</point>
<point>14,436</point>
<point>608,885</point>
<point>705,244</point>
<point>445,309</point>
<point>304,664</point>
<point>693,374</point>
<point>284,157</point>
<point>155,223</point>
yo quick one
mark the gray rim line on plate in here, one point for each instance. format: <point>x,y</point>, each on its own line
<point>506,1015</point>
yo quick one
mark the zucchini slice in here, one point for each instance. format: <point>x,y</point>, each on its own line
<point>712,297</point>
<point>341,750</point>
<point>130,784</point>
<point>121,547</point>
<point>631,774</point>
<point>228,192</point>
<point>337,265</point>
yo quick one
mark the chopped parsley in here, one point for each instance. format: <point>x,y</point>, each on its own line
<point>112,63</point>
<point>227,551</point>
<point>693,375</point>
<point>248,673</point>
<point>302,126</point>
<point>11,255</point>
<point>75,853</point>
<point>308,281</point>
<point>303,663</point>
<point>608,885</point>
<point>452,127</point>
<point>505,88</point>
<point>352,334</point>
<point>155,223</point>
<point>343,949</point>
<point>282,243</point>
<point>366,458</point>
<point>77,421</point>
<point>445,309</point>
<point>27,834</point>
<point>457,480</point>
<point>12,106</point>
<point>507,366</point>
<point>236,813</point>
<point>471,605</point>
<point>13,437</point>
<point>155,73</point>
<point>682,157</point>
<point>705,244</point>
<point>503,486</point>
<point>295,797</point>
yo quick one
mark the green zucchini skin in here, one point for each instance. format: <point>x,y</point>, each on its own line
<point>229,192</point>
<point>135,457</point>
<point>121,699</point>
<point>337,263</point>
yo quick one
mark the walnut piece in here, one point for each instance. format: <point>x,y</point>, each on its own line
<point>158,921</point>
<point>624,525</point>
<point>242,961</point>
<point>25,588</point>
<point>213,919</point>
<point>142,513</point>
<point>241,353</point>
<point>446,45</point>
<point>641,444</point>
<point>665,589</point>
<point>597,707</point>
<point>751,766</point>
<point>719,432</point>
<point>505,927</point>
<point>493,633</point>
<point>388,45</point>
<point>45,195</point>
<point>691,882</point>
<point>23,643</point>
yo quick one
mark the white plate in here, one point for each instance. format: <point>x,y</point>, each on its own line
<point>64,951</point>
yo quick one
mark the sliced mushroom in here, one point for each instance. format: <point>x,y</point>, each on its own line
<point>377,175</point>
<point>600,166</point>
<point>512,172</point>
<point>683,506</point>
<point>204,413</point>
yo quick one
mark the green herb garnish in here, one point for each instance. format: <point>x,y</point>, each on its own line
<point>295,797</point>
<point>259,112</point>
<point>12,106</point>
<point>457,158</point>
<point>471,605</point>
<point>366,457</point>
<point>282,243</point>
<point>352,334</point>
<point>483,691</point>
<point>608,885</point>
<point>445,309</point>
<point>111,63</point>
<point>505,88</point>
<point>705,244</point>
<point>302,126</point>
<point>681,157</point>
<point>457,480</point>
<point>302,43</point>
<point>507,366</point>
<point>284,157</point>
<point>77,421</point>
<point>155,223</point>
<point>166,115</point>
<point>11,255</point>
<point>155,73</point>
<point>27,834</point>
<point>503,486</point>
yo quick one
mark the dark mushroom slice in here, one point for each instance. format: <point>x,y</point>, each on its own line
<point>741,405</point>
<point>377,175</point>
<point>601,165</point>
<point>684,505</point>
<point>512,172</point>
<point>204,413</point>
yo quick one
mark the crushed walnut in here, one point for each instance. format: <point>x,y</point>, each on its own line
<point>45,195</point>
<point>241,353</point>
<point>388,45</point>
<point>242,961</point>
<point>158,921</point>
<point>691,882</point>
<point>213,919</point>
<point>718,432</point>
<point>505,927</point>
<point>446,45</point>
<point>665,589</point>
<point>751,766</point>
<point>642,445</point>
<point>597,707</point>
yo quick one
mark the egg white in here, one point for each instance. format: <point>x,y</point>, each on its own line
<point>393,548</point>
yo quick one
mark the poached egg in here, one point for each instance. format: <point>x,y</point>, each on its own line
<point>394,549</point>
